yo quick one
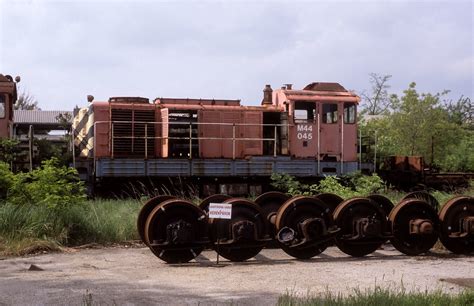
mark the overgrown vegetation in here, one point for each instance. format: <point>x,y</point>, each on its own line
<point>47,209</point>
<point>422,124</point>
<point>380,296</point>
<point>346,187</point>
<point>353,185</point>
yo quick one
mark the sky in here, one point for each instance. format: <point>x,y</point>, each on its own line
<point>66,50</point>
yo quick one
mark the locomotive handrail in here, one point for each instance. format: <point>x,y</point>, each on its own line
<point>196,123</point>
<point>190,137</point>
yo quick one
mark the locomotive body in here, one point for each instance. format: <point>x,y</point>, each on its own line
<point>8,96</point>
<point>305,133</point>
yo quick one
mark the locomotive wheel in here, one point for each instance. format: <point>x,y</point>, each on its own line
<point>215,198</point>
<point>292,216</point>
<point>330,199</point>
<point>176,231</point>
<point>425,196</point>
<point>243,236</point>
<point>145,212</point>
<point>414,226</point>
<point>456,228</point>
<point>362,223</point>
<point>383,202</point>
<point>271,201</point>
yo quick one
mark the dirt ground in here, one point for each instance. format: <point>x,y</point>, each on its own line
<point>128,276</point>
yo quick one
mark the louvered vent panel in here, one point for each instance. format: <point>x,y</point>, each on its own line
<point>129,136</point>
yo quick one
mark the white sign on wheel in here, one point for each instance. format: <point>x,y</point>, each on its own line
<point>220,211</point>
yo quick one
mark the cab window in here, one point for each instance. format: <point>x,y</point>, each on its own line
<point>304,112</point>
<point>2,107</point>
<point>349,113</point>
<point>329,113</point>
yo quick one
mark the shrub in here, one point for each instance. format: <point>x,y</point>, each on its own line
<point>332,184</point>
<point>51,185</point>
<point>349,186</point>
<point>287,183</point>
<point>6,180</point>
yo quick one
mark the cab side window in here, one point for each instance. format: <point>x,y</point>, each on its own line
<point>329,113</point>
<point>304,112</point>
<point>349,113</point>
<point>2,107</point>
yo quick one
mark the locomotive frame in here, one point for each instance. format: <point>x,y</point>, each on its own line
<point>307,133</point>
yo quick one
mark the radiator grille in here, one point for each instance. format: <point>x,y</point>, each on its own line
<point>129,136</point>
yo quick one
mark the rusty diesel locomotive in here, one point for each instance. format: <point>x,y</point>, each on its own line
<point>307,132</point>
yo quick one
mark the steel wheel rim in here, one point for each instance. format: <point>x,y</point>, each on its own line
<point>344,217</point>
<point>145,211</point>
<point>450,215</point>
<point>163,215</point>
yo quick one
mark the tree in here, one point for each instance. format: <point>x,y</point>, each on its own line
<point>461,112</point>
<point>26,101</point>
<point>420,126</point>
<point>378,101</point>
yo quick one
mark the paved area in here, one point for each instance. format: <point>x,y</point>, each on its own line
<point>134,276</point>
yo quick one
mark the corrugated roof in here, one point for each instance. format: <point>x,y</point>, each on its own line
<point>37,116</point>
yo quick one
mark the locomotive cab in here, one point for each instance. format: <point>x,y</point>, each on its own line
<point>322,121</point>
<point>8,96</point>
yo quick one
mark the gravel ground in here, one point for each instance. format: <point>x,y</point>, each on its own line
<point>128,276</point>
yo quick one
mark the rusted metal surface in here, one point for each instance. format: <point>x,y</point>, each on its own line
<point>243,236</point>
<point>425,196</point>
<point>145,211</point>
<point>325,86</point>
<point>215,198</point>
<point>305,227</point>
<point>270,202</point>
<point>330,199</point>
<point>415,226</point>
<point>383,202</point>
<point>130,100</point>
<point>8,96</point>
<point>457,225</point>
<point>362,226</point>
<point>176,231</point>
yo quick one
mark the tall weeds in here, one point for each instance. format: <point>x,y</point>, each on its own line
<point>104,221</point>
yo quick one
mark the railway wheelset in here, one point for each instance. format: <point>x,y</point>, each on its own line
<point>177,230</point>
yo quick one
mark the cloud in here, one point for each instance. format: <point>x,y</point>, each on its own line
<point>66,50</point>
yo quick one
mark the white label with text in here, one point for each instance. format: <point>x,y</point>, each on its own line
<point>304,132</point>
<point>220,211</point>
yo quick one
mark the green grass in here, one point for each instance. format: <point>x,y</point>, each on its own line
<point>380,296</point>
<point>27,228</point>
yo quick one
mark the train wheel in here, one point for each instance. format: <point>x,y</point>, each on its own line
<point>270,202</point>
<point>215,198</point>
<point>305,227</point>
<point>425,196</point>
<point>330,199</point>
<point>362,223</point>
<point>414,226</point>
<point>145,212</point>
<point>457,225</point>
<point>176,231</point>
<point>383,202</point>
<point>244,235</point>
